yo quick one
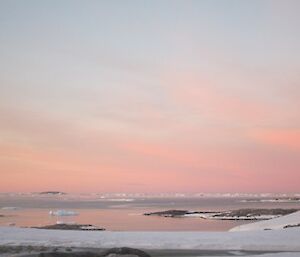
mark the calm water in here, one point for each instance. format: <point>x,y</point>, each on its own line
<point>123,214</point>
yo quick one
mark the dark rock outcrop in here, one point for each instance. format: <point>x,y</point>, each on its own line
<point>125,251</point>
<point>292,226</point>
<point>112,252</point>
<point>85,227</point>
<point>66,254</point>
<point>168,213</point>
<point>175,213</point>
<point>256,212</point>
<point>226,215</point>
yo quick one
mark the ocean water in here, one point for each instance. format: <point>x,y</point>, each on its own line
<point>124,213</point>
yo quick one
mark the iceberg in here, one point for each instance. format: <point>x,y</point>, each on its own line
<point>63,213</point>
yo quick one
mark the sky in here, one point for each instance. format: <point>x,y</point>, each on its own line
<point>150,96</point>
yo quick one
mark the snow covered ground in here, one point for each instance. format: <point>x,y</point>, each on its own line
<point>277,223</point>
<point>273,240</point>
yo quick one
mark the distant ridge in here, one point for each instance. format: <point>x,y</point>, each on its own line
<point>52,193</point>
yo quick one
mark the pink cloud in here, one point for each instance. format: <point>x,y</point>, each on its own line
<point>287,138</point>
<point>211,99</point>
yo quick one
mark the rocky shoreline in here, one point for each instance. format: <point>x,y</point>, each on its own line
<point>241,214</point>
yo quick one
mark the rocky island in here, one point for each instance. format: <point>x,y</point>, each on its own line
<point>241,214</point>
<point>64,226</point>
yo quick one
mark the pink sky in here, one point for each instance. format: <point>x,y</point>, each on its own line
<point>196,98</point>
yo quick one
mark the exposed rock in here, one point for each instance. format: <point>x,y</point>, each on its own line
<point>67,254</point>
<point>125,251</point>
<point>168,213</point>
<point>176,213</point>
<point>63,226</point>
<point>241,214</point>
<point>256,212</point>
<point>292,226</point>
<point>113,252</point>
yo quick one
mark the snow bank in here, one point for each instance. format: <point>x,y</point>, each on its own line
<point>277,223</point>
<point>272,240</point>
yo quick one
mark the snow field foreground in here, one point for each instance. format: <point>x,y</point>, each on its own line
<point>271,240</point>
